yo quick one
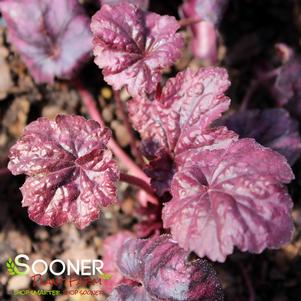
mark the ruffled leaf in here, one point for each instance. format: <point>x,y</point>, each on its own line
<point>231,197</point>
<point>165,273</point>
<point>189,102</point>
<point>52,36</point>
<point>111,246</point>
<point>271,127</point>
<point>182,114</point>
<point>133,47</point>
<point>71,173</point>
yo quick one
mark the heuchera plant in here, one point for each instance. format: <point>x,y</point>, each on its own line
<point>217,191</point>
<point>53,37</point>
<point>271,127</point>
<point>133,47</point>
<point>71,174</point>
<point>162,272</point>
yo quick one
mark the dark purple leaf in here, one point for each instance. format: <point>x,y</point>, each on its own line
<point>71,173</point>
<point>133,47</point>
<point>231,197</point>
<point>165,273</point>
<point>208,10</point>
<point>160,169</point>
<point>149,220</point>
<point>271,127</point>
<point>52,36</point>
<point>287,86</point>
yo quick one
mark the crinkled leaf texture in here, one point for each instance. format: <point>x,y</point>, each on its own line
<point>271,127</point>
<point>165,273</point>
<point>111,246</point>
<point>186,107</point>
<point>143,4</point>
<point>71,174</point>
<point>230,197</point>
<point>133,47</point>
<point>52,36</point>
<point>226,192</point>
<point>188,104</point>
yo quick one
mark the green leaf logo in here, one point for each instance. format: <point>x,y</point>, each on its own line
<point>105,276</point>
<point>11,268</point>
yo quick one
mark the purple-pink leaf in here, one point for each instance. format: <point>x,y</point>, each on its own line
<point>71,174</point>
<point>133,47</point>
<point>143,4</point>
<point>189,103</point>
<point>165,273</point>
<point>286,88</point>
<point>187,106</point>
<point>231,197</point>
<point>52,36</point>
<point>111,246</point>
<point>271,127</point>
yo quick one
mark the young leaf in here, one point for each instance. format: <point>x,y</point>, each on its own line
<point>133,47</point>
<point>111,246</point>
<point>165,273</point>
<point>271,127</point>
<point>231,197</point>
<point>143,4</point>
<point>71,174</point>
<point>52,36</point>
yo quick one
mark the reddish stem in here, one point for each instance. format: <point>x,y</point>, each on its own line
<point>90,104</point>
<point>123,112</point>
<point>140,184</point>
<point>206,43</point>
